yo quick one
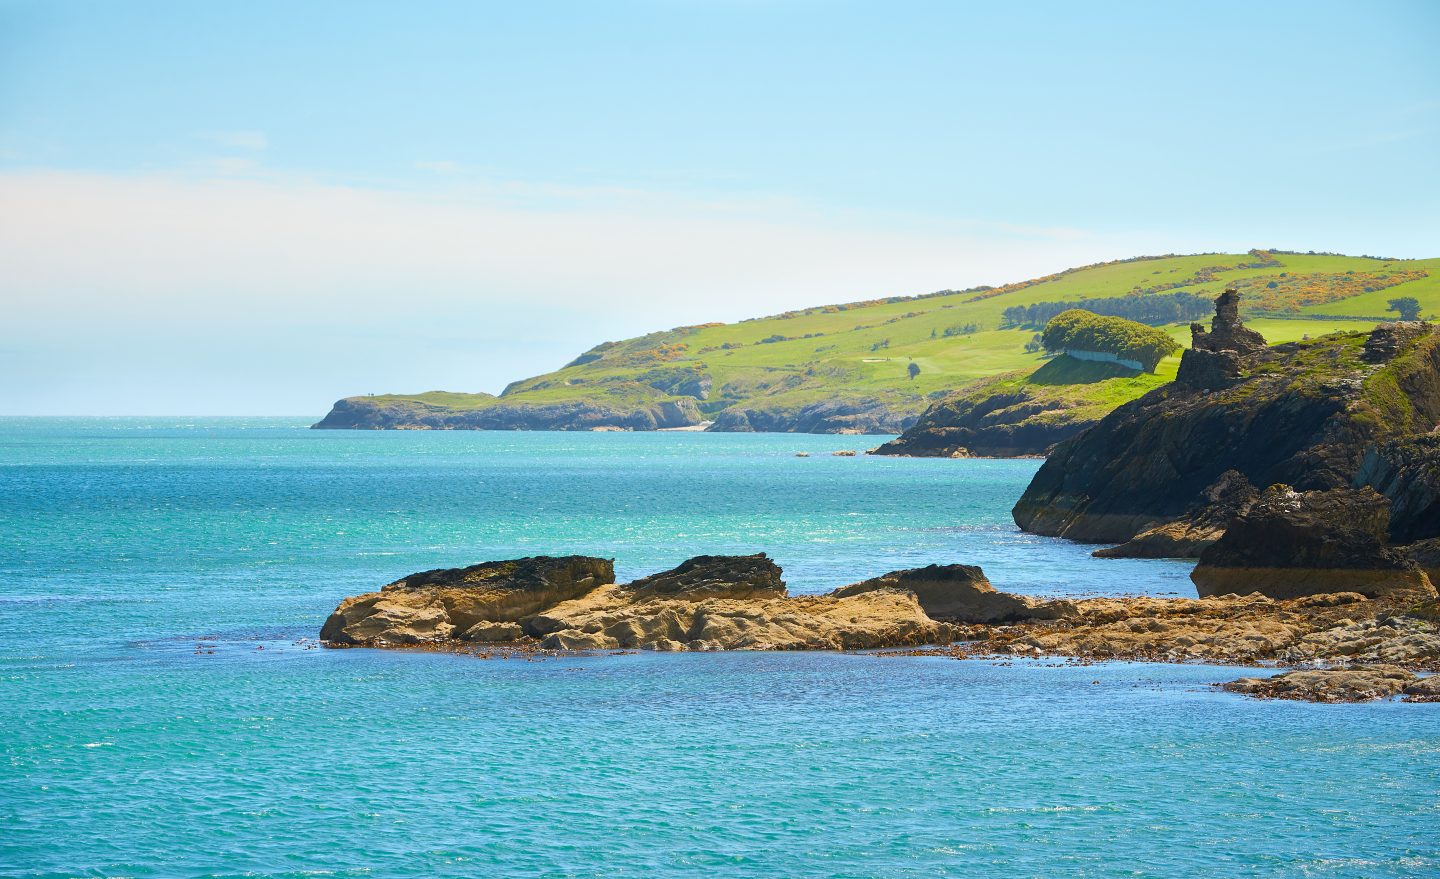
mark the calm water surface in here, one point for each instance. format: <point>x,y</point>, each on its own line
<point>125,543</point>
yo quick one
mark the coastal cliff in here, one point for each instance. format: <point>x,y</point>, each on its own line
<point>1340,411</point>
<point>874,366</point>
<point>493,413</point>
<point>1019,414</point>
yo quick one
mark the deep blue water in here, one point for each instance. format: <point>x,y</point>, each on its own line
<point>124,543</point>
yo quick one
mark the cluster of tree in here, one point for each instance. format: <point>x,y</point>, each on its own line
<point>1408,306</point>
<point>1079,330</point>
<point>1155,310</point>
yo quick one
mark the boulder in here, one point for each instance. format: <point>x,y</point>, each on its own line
<point>481,602</point>
<point>1291,544</point>
<point>1359,684</point>
<point>1426,554</point>
<point>713,576</point>
<point>1425,689</point>
<point>959,593</point>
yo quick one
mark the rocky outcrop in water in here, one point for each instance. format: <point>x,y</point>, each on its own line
<point>1001,425</point>
<point>1306,414</point>
<point>573,603</point>
<point>740,603</point>
<point>1364,683</point>
<point>1289,544</point>
<point>484,602</point>
<point>956,592</point>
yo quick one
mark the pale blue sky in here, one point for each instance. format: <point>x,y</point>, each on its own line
<point>253,208</point>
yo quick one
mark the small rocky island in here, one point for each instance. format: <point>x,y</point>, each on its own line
<point>741,603</point>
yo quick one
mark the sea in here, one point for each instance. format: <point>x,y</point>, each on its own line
<point>166,712</point>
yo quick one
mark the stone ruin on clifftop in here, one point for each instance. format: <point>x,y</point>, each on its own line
<point>1215,358</point>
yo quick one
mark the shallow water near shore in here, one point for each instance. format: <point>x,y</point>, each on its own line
<point>145,563</point>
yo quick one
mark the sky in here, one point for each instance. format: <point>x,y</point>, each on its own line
<point>257,208</point>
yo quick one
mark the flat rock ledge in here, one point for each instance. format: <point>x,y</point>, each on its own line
<point>1365,683</point>
<point>706,603</point>
<point>740,603</point>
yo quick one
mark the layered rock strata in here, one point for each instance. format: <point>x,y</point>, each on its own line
<point>1290,544</point>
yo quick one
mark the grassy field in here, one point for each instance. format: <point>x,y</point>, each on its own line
<point>864,350</point>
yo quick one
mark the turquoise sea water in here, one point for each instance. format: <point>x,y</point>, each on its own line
<point>127,751</point>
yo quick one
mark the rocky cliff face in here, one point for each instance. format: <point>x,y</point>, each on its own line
<point>1290,544</point>
<point>826,416</point>
<point>1018,414</point>
<point>1306,414</point>
<point>1004,425</point>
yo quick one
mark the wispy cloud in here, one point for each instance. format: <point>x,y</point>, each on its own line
<point>240,140</point>
<point>288,293</point>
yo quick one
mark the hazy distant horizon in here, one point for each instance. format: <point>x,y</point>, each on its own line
<point>235,208</point>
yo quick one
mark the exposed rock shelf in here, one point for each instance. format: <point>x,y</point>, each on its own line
<point>707,603</point>
<point>741,603</point>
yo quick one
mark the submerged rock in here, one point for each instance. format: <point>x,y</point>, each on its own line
<point>1359,684</point>
<point>1290,544</point>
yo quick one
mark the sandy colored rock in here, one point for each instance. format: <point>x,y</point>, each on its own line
<point>953,592</point>
<point>1423,690</point>
<point>1358,684</point>
<point>464,603</point>
<point>610,618</point>
<point>706,603</point>
<point>1345,628</point>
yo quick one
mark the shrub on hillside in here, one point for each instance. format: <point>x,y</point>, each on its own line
<point>1080,330</point>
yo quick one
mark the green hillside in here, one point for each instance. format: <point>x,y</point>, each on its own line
<point>852,361</point>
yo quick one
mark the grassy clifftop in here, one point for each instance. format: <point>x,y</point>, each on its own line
<point>848,366</point>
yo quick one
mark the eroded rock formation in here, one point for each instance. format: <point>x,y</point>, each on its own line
<point>706,603</point>
<point>1289,544</point>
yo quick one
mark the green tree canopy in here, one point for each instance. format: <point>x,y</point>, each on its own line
<point>1081,330</point>
<point>1408,306</point>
